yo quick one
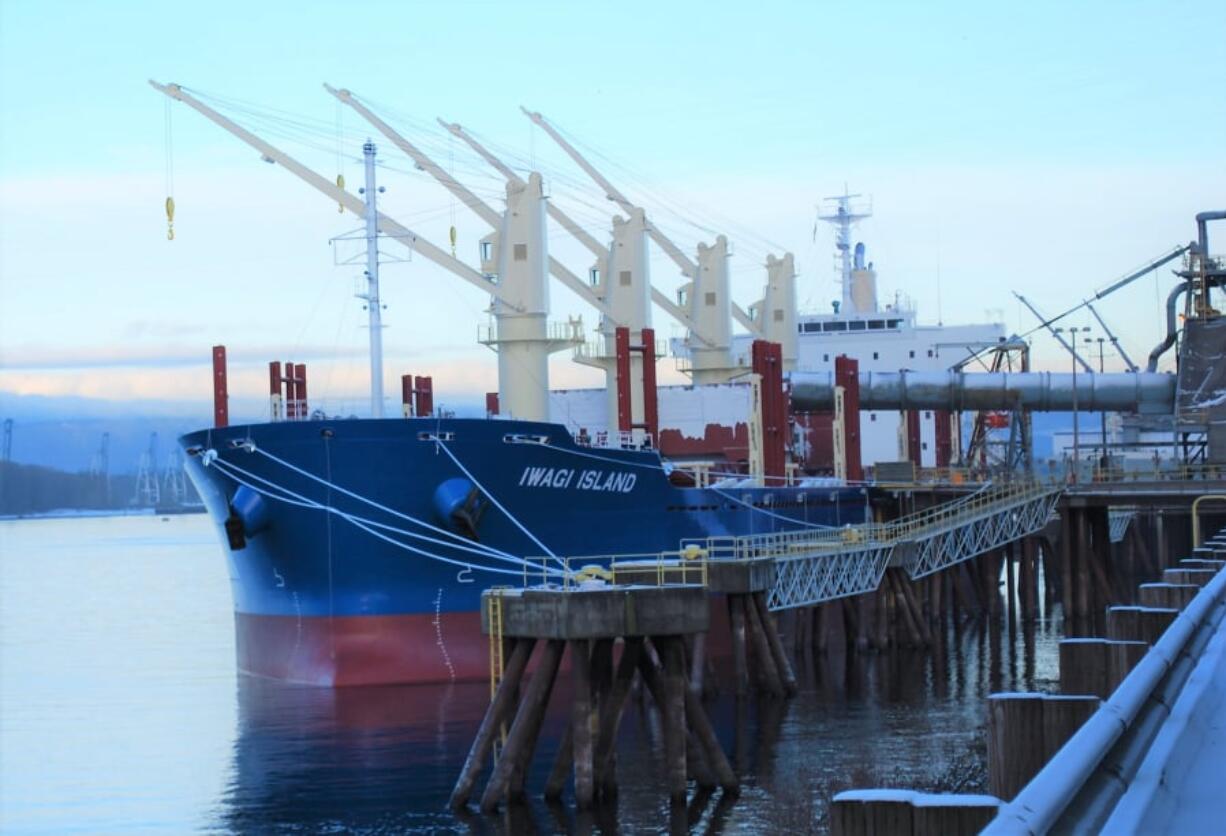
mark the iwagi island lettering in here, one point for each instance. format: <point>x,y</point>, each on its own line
<point>614,481</point>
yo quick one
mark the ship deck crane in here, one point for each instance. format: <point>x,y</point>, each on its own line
<point>707,293</point>
<point>354,204</point>
<point>520,294</point>
<point>476,204</point>
<point>570,225</point>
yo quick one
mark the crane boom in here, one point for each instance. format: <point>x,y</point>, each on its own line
<point>685,263</point>
<point>1048,324</point>
<point>1129,279</point>
<point>483,209</point>
<point>354,204</point>
<point>1115,341</point>
<point>567,222</point>
<point>555,212</point>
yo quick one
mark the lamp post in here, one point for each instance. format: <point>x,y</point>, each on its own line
<point>1102,415</point>
<point>1073,332</point>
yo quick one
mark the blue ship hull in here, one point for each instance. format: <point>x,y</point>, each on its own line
<point>358,549</point>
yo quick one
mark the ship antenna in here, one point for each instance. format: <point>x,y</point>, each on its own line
<point>843,215</point>
<point>371,297</point>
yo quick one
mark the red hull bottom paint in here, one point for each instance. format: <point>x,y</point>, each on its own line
<point>384,649</point>
<point>363,650</point>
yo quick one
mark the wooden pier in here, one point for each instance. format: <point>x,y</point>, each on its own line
<point>610,633</point>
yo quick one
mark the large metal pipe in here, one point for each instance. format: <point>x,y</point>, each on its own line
<point>1036,391</point>
<point>1172,327</point>
<point>1202,232</point>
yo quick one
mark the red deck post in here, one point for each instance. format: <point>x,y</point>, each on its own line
<point>491,403</point>
<point>275,401</point>
<point>621,343</point>
<point>423,396</point>
<point>651,408</point>
<point>914,445</point>
<point>847,375</point>
<point>221,395</point>
<point>300,376</point>
<point>944,439</point>
<point>406,395</point>
<point>768,363</point>
<point>291,393</point>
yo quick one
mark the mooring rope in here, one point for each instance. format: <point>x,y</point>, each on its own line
<point>238,473</point>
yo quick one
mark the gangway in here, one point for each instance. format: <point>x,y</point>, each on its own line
<point>813,566</point>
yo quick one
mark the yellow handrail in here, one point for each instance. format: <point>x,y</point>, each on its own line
<point>1196,514</point>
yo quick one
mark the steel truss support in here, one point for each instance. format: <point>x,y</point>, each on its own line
<point>815,578</point>
<point>962,537</point>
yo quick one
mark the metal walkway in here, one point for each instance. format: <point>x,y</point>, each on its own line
<point>821,565</point>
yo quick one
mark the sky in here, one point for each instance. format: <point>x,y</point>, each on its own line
<point>1046,148</point>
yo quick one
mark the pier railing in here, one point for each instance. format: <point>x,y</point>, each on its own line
<point>685,566</point>
<point>816,565</point>
<point>820,564</point>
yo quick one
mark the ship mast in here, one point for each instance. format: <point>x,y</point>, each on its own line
<point>844,217</point>
<point>371,297</point>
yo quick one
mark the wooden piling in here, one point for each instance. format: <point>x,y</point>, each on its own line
<point>673,712</point>
<point>1143,624</point>
<point>493,720</point>
<point>1015,735</point>
<point>611,713</point>
<point>783,666</point>
<point>1025,730</point>
<point>1068,551</point>
<point>698,663</point>
<point>1122,657</point>
<point>1173,596</point>
<point>891,811</point>
<point>1063,715</point>
<point>582,720</point>
<point>740,660</point>
<point>522,737</point>
<point>763,656</point>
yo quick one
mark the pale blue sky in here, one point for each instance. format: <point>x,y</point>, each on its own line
<point>1044,147</point>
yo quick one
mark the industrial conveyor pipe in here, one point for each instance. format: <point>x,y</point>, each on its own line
<point>1145,392</point>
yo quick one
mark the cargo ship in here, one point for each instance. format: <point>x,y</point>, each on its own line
<point>358,547</point>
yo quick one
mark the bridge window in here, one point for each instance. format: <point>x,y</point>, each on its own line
<point>875,357</point>
<point>894,323</point>
<point>911,353</point>
<point>834,326</point>
<point>876,324</point>
<point>810,327</point>
<point>857,325</point>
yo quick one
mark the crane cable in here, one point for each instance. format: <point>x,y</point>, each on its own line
<point>340,160</point>
<point>168,142</point>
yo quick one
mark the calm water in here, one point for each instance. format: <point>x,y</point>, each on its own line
<point>120,710</point>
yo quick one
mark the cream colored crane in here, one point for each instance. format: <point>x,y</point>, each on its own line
<point>570,225</point>
<point>519,293</point>
<point>623,283</point>
<point>707,294</point>
<point>480,207</point>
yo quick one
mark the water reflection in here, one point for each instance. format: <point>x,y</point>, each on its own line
<point>385,758</point>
